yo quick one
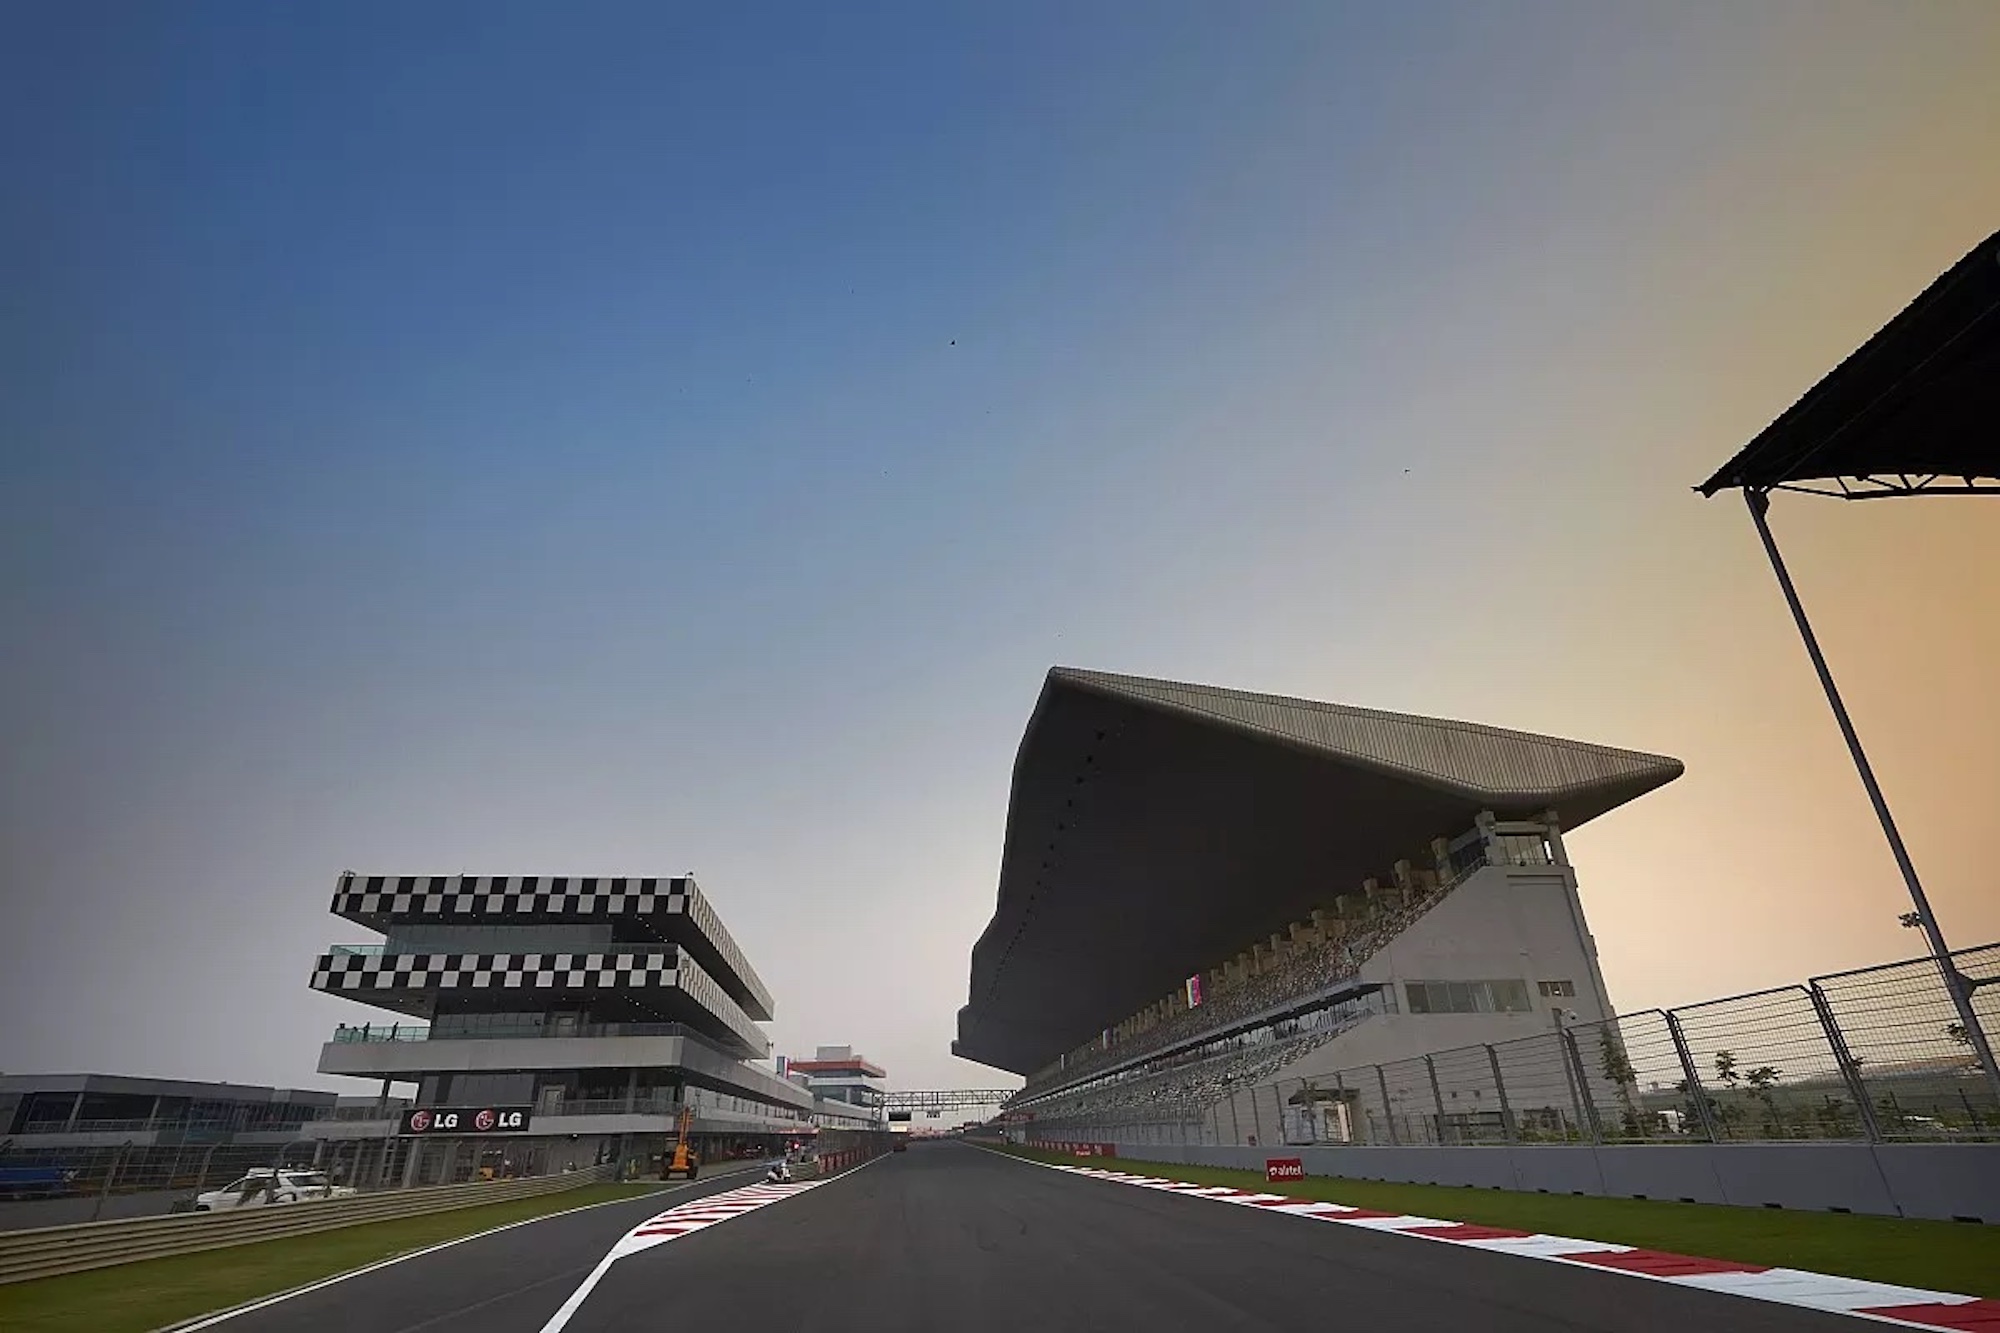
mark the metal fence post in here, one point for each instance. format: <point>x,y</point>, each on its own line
<point>1955,983</point>
<point>1388,1112</point>
<point>110,1174</point>
<point>1696,1093</point>
<point>1583,1088</point>
<point>1437,1097</point>
<point>1256,1119</point>
<point>1500,1086</point>
<point>1845,1059</point>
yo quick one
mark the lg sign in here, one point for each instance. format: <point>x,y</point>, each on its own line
<point>435,1120</point>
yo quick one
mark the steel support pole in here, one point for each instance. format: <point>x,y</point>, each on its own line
<point>1842,1056</point>
<point>1589,1102</point>
<point>1437,1097</point>
<point>1696,1093</point>
<point>1954,982</point>
<point>1388,1111</point>
<point>1500,1087</point>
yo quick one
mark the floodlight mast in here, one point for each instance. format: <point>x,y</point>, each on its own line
<point>1956,983</point>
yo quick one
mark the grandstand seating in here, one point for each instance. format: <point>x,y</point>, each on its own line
<point>1308,960</point>
<point>1180,1088</point>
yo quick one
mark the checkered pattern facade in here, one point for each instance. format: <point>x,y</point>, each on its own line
<point>380,901</point>
<point>341,973</point>
<point>368,976</point>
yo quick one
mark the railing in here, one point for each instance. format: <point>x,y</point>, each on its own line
<point>50,1251</point>
<point>139,1124</point>
<point>374,1032</point>
<point>1876,1054</point>
<point>666,1106</point>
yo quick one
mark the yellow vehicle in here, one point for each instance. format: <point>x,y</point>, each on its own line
<point>683,1161</point>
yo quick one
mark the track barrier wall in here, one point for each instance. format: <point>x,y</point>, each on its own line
<point>52,1251</point>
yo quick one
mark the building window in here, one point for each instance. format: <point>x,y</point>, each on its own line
<point>1467,997</point>
<point>1557,990</point>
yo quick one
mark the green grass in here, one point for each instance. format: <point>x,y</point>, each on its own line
<point>1943,1256</point>
<point>134,1298</point>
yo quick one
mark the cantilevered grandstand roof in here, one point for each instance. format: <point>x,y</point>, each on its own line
<point>1156,827</point>
<point>1912,411</point>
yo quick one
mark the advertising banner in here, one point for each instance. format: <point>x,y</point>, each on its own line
<point>436,1121</point>
<point>1284,1168</point>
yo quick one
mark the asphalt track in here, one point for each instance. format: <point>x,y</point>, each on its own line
<point>949,1237</point>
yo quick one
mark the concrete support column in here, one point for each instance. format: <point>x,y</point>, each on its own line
<point>410,1165</point>
<point>1556,848</point>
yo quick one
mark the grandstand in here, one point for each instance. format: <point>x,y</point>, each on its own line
<point>1204,888</point>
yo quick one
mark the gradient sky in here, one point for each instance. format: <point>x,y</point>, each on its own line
<point>519,439</point>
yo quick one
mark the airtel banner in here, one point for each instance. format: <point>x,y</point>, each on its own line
<point>1284,1168</point>
<point>431,1121</point>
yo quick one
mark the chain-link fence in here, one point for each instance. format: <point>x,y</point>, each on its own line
<point>1877,1054</point>
<point>56,1185</point>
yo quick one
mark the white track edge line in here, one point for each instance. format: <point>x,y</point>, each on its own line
<point>567,1310</point>
<point>213,1317</point>
<point>1086,1173</point>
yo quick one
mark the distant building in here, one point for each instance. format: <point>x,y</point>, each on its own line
<point>112,1110</point>
<point>64,1134</point>
<point>848,1089</point>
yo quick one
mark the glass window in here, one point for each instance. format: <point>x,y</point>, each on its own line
<point>1510,997</point>
<point>1419,996</point>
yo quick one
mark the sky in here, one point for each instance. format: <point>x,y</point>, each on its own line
<point>632,439</point>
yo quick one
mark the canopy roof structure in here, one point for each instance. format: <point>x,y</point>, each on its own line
<point>1155,827</point>
<point>1916,411</point>
<point>1913,411</point>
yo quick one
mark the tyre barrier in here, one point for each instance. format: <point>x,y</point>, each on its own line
<point>53,1251</point>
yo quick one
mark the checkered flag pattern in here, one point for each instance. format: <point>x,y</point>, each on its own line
<point>379,900</point>
<point>458,897</point>
<point>342,972</point>
<point>659,968</point>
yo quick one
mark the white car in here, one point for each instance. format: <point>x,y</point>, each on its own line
<point>262,1187</point>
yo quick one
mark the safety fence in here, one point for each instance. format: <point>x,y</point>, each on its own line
<point>52,1251</point>
<point>1877,1054</point>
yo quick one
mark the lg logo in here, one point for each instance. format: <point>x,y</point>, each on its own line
<point>466,1120</point>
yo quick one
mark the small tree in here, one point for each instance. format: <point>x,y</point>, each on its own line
<point>1761,1080</point>
<point>1618,1071</point>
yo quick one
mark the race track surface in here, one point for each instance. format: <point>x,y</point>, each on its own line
<point>949,1237</point>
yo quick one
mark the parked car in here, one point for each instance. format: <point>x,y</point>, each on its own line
<point>262,1187</point>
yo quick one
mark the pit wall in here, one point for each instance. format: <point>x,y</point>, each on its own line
<point>1929,1180</point>
<point>841,1149</point>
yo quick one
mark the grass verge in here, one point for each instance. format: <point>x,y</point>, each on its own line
<point>1962,1257</point>
<point>134,1298</point>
